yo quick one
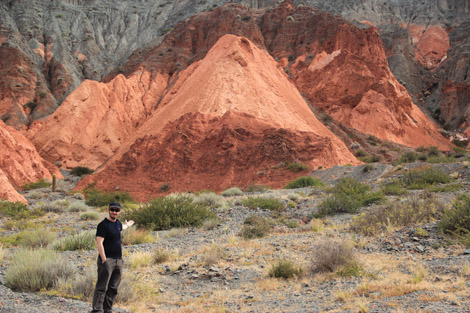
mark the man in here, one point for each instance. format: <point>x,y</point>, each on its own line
<point>108,241</point>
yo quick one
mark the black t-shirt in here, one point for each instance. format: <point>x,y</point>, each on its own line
<point>111,232</point>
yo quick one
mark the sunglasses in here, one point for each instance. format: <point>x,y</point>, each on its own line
<point>114,209</point>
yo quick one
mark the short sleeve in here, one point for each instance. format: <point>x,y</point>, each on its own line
<point>101,230</point>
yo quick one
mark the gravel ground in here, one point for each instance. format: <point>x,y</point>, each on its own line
<point>238,282</point>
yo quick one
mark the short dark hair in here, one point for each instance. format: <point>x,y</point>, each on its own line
<point>115,205</point>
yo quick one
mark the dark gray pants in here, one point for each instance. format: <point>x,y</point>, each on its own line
<point>109,277</point>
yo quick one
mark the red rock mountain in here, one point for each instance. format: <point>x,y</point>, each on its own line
<point>20,164</point>
<point>230,119</point>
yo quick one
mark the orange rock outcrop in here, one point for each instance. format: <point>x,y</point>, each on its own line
<point>96,119</point>
<point>20,164</point>
<point>230,119</point>
<point>431,44</point>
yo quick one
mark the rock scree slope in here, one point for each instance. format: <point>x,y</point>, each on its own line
<point>230,119</point>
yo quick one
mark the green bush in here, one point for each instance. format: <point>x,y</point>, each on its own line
<point>169,212</point>
<point>57,206</point>
<point>393,188</point>
<point>408,157</point>
<point>35,185</point>
<point>285,269</point>
<point>84,240</point>
<point>209,199</point>
<point>12,209</point>
<point>457,219</point>
<point>81,170</point>
<point>230,192</point>
<point>441,159</point>
<point>263,203</point>
<point>412,210</point>
<point>256,226</point>
<point>422,178</point>
<point>348,196</point>
<point>78,207</point>
<point>256,188</point>
<point>37,238</point>
<point>33,270</point>
<point>89,216</point>
<point>304,181</point>
<point>297,167</point>
<point>97,198</point>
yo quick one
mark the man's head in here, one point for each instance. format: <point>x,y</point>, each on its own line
<point>114,210</point>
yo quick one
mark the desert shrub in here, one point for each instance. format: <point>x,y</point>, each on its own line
<point>36,194</point>
<point>266,203</point>
<point>285,269</point>
<point>457,219</point>
<point>140,259</point>
<point>422,178</point>
<point>81,170</point>
<point>213,255</point>
<point>33,270</point>
<point>56,206</point>
<point>408,157</point>
<point>12,209</point>
<point>297,167</point>
<point>78,207</point>
<point>304,181</point>
<point>84,240</point>
<point>209,199</point>
<point>2,254</point>
<point>330,255</point>
<point>134,236</point>
<point>210,223</point>
<point>80,286</point>
<point>160,256</point>
<point>394,187</point>
<point>169,212</point>
<point>37,238</point>
<point>294,197</point>
<point>433,151</point>
<point>410,211</point>
<point>441,159</point>
<point>445,188</point>
<point>348,196</point>
<point>256,188</point>
<point>233,191</point>
<point>255,226</point>
<point>35,185</point>
<point>99,198</point>
<point>89,216</point>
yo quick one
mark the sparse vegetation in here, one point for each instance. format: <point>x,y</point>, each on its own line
<point>411,211</point>
<point>422,178</point>
<point>256,226</point>
<point>266,203</point>
<point>89,216</point>
<point>285,269</point>
<point>84,240</point>
<point>161,256</point>
<point>33,270</point>
<point>168,212</point>
<point>348,196</point>
<point>297,167</point>
<point>331,255</point>
<point>140,259</point>
<point>209,199</point>
<point>99,198</point>
<point>231,192</point>
<point>80,286</point>
<point>36,185</point>
<point>456,221</point>
<point>256,188</point>
<point>36,238</point>
<point>134,236</point>
<point>304,181</point>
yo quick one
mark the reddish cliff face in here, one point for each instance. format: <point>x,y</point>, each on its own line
<point>95,120</point>
<point>20,164</point>
<point>229,120</point>
<point>431,44</point>
<point>343,70</point>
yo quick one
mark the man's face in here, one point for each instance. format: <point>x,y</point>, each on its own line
<point>114,212</point>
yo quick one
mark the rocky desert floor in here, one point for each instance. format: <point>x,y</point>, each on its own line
<point>213,269</point>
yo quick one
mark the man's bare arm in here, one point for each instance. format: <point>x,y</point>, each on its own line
<point>99,244</point>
